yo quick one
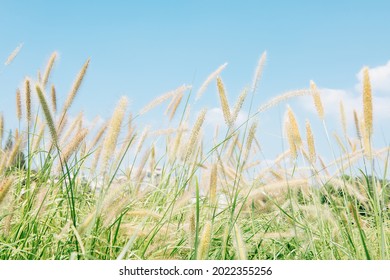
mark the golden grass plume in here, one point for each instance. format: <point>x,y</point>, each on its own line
<point>211,77</point>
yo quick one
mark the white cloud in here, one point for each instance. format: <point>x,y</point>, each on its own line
<point>379,77</point>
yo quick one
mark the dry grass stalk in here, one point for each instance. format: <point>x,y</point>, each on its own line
<point>192,228</point>
<point>140,174</point>
<point>62,124</point>
<point>74,144</point>
<point>98,136</point>
<point>357,124</point>
<point>166,131</point>
<point>366,138</point>
<point>39,77</point>
<point>233,144</point>
<point>73,127</point>
<point>5,185</point>
<point>174,105</point>
<point>142,139</point>
<point>47,113</point>
<point>211,77</point>
<point>240,243</point>
<point>277,175</point>
<point>350,188</point>
<point>249,140</point>
<point>259,71</point>
<point>323,166</point>
<point>281,187</point>
<point>49,67</point>
<point>114,130</point>
<point>237,107</point>
<point>367,102</point>
<point>339,142</point>
<point>163,98</point>
<point>190,147</point>
<point>152,164</point>
<point>38,138</point>
<point>12,56</point>
<point>28,100</point>
<point>9,217</point>
<point>87,222</point>
<point>276,162</point>
<point>96,158</point>
<point>213,184</point>
<point>343,118</point>
<point>317,100</point>
<point>177,141</point>
<point>14,153</point>
<point>53,98</point>
<point>125,145</point>
<point>204,243</point>
<point>248,166</point>
<point>278,235</point>
<point>75,87</point>
<point>276,100</point>
<point>144,213</point>
<point>310,143</point>
<point>294,129</point>
<point>18,105</point>
<point>224,101</point>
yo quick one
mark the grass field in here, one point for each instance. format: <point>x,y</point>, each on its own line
<point>69,190</point>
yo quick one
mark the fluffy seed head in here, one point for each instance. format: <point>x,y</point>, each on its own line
<point>163,98</point>
<point>211,77</point>
<point>213,184</point>
<point>47,113</point>
<point>195,133</point>
<point>74,144</point>
<point>18,105</point>
<point>142,139</point>
<point>49,67</point>
<point>367,102</point>
<point>12,56</point>
<point>204,244</point>
<point>259,71</point>
<point>317,100</point>
<point>224,101</point>
<point>98,136</point>
<point>172,108</point>
<point>276,100</point>
<point>5,185</point>
<point>240,243</point>
<point>343,118</point>
<point>53,98</point>
<point>38,138</point>
<point>28,100</point>
<point>310,142</point>
<point>75,87</point>
<point>251,137</point>
<point>114,130</point>
<point>294,127</point>
<point>357,125</point>
<point>238,106</point>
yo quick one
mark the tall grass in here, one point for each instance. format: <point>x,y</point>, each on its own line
<point>70,191</point>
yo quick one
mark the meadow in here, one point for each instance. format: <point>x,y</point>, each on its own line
<point>74,190</point>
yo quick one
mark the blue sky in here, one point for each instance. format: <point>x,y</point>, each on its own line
<point>143,49</point>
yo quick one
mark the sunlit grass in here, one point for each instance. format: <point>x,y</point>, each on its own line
<point>69,190</point>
